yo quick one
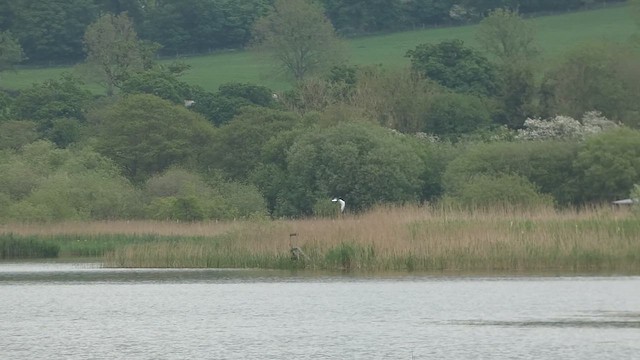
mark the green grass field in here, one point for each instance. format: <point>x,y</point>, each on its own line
<point>556,34</point>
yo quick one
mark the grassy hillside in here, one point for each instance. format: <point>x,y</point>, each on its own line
<point>555,33</point>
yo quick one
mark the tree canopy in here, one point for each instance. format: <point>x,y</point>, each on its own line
<point>298,36</point>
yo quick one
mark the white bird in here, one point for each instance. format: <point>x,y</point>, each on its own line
<point>625,201</point>
<point>342,203</point>
<point>188,103</point>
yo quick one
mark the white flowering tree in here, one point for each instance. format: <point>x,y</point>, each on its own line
<point>563,127</point>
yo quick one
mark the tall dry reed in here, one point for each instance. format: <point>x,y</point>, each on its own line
<point>414,239</point>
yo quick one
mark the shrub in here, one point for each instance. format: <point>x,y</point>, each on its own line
<point>504,190</point>
<point>608,165</point>
<point>451,115</point>
<point>178,194</point>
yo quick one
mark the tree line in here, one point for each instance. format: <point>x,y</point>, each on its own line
<point>460,127</point>
<point>52,31</point>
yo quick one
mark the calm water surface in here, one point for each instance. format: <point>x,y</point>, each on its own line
<point>82,311</point>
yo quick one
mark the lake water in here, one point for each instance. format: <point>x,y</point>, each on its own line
<point>82,311</point>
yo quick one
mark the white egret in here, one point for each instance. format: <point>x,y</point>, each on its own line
<point>625,202</point>
<point>342,203</point>
<point>189,103</point>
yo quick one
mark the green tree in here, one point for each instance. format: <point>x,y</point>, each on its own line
<point>405,109</point>
<point>511,40</point>
<point>10,51</point>
<point>47,183</point>
<point>451,64</point>
<point>546,164</point>
<point>114,52</point>
<point>15,134</point>
<point>502,190</point>
<point>240,142</point>
<point>363,164</point>
<point>299,38</point>
<point>182,195</point>
<point>58,107</point>
<point>51,31</point>
<point>609,165</point>
<point>603,77</point>
<point>505,35</point>
<point>161,82</point>
<point>145,135</point>
<point>452,115</point>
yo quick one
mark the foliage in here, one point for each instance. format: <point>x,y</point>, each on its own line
<point>50,30</point>
<point>452,115</point>
<point>502,190</point>
<point>113,50</point>
<point>146,135</point>
<point>546,164</point>
<point>396,99</point>
<point>511,41</point>
<point>239,144</point>
<point>451,64</point>
<point>222,106</point>
<point>505,35</point>
<point>158,81</point>
<point>596,76</point>
<point>10,51</point>
<point>181,195</point>
<point>15,134</point>
<point>198,26</point>
<point>52,99</point>
<point>299,37</point>
<point>608,165</point>
<point>564,127</point>
<point>45,183</point>
<point>363,164</point>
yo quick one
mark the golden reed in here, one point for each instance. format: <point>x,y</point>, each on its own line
<point>387,239</point>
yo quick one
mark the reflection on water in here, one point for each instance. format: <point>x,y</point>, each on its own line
<point>80,311</point>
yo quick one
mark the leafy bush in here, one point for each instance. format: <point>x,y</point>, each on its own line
<point>547,164</point>
<point>45,183</point>
<point>178,194</point>
<point>146,135</point>
<point>53,99</point>
<point>608,165</point>
<point>15,134</point>
<point>599,76</point>
<point>455,66</point>
<point>452,115</point>
<point>363,164</point>
<point>504,190</point>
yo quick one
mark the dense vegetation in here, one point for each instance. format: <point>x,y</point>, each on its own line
<point>51,31</point>
<point>464,127</point>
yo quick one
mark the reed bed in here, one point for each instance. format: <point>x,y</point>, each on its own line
<point>414,239</point>
<point>384,239</point>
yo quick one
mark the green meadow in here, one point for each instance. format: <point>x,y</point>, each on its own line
<point>556,34</point>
